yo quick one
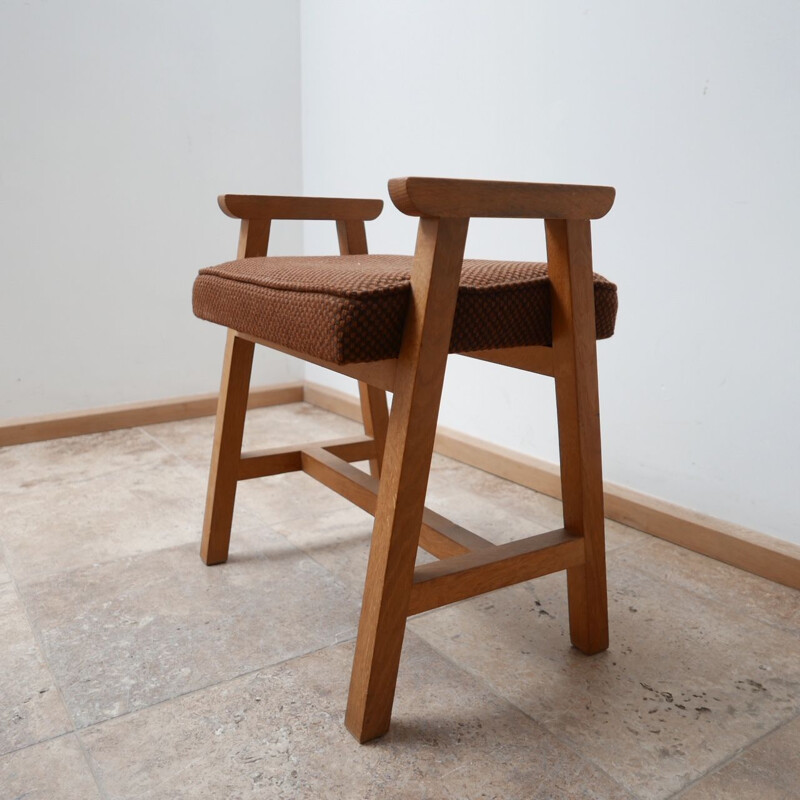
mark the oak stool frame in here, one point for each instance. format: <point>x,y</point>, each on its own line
<point>399,444</point>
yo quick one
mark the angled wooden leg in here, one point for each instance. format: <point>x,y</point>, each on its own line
<point>223,475</point>
<point>231,410</point>
<point>575,356</point>
<point>375,413</point>
<point>404,478</point>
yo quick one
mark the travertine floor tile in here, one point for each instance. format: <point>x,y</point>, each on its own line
<point>339,540</point>
<point>704,659</point>
<point>768,770</point>
<point>279,498</point>
<point>275,426</point>
<point>280,734</point>
<point>60,526</point>
<point>76,458</point>
<point>133,632</point>
<point>5,577</point>
<point>56,769</point>
<point>502,511</point>
<point>685,683</point>
<point>30,707</point>
<point>767,601</point>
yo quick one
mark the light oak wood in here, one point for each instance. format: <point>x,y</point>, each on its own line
<point>134,415</point>
<point>445,197</point>
<point>444,538</point>
<point>460,577</point>
<point>740,547</point>
<point>375,413</point>
<point>253,238</point>
<point>438,535</point>
<point>344,479</point>
<point>268,207</point>
<point>333,400</point>
<point>228,465</point>
<point>402,449</point>
<point>224,472</point>
<point>774,559</point>
<point>409,446</point>
<point>531,359</point>
<point>262,463</point>
<point>379,374</point>
<point>743,548</point>
<point>569,258</point>
<point>352,235</point>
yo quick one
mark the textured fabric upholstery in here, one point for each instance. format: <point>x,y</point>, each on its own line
<point>348,309</point>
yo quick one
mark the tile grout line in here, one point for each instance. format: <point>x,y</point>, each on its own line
<point>626,548</point>
<point>737,613</point>
<point>202,472</point>
<point>43,653</point>
<point>213,685</point>
<point>740,752</point>
<point>167,449</point>
<point>568,743</point>
<point>46,740</point>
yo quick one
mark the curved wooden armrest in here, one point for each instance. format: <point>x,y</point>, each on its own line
<point>252,206</point>
<point>445,197</point>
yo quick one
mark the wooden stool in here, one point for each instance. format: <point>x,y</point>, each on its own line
<point>389,322</point>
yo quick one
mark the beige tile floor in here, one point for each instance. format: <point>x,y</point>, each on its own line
<point>129,669</point>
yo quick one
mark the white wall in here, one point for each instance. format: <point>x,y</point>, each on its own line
<point>691,110</point>
<point>120,122</point>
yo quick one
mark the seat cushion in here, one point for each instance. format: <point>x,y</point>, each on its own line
<point>349,309</point>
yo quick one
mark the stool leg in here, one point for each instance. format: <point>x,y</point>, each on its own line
<point>582,494</point>
<point>375,413</point>
<point>404,477</point>
<point>223,475</point>
<point>574,345</point>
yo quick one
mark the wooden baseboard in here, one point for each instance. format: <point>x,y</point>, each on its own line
<point>56,426</point>
<point>746,549</point>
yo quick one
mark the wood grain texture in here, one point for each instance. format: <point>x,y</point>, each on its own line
<point>454,579</point>
<point>352,235</point>
<point>253,238</point>
<point>231,410</point>
<point>409,446</point>
<point>375,413</point>
<point>224,473</point>
<point>531,359</point>
<point>746,549</point>
<point>380,374</point>
<point>267,207</point>
<point>274,461</point>
<point>134,415</point>
<point>445,197</point>
<point>438,535</point>
<point>774,559</point>
<point>569,257</point>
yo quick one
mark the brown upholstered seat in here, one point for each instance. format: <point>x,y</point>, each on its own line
<point>351,309</point>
